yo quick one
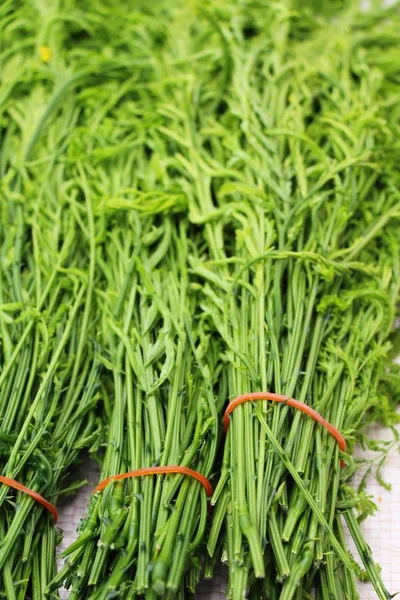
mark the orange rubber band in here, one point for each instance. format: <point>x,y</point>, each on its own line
<point>290,402</point>
<point>22,488</point>
<point>158,471</point>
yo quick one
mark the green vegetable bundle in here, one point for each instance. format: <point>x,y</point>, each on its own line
<point>140,534</point>
<point>301,279</point>
<point>49,371</point>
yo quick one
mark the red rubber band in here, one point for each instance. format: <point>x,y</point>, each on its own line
<point>291,402</point>
<point>22,488</point>
<point>158,471</point>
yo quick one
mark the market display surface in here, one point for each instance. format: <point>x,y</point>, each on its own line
<point>199,285</point>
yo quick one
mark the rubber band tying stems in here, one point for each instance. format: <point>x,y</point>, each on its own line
<point>22,488</point>
<point>158,471</point>
<point>290,402</point>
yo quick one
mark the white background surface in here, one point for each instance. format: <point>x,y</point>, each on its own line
<point>382,530</point>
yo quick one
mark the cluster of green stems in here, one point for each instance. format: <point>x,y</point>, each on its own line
<point>199,200</point>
